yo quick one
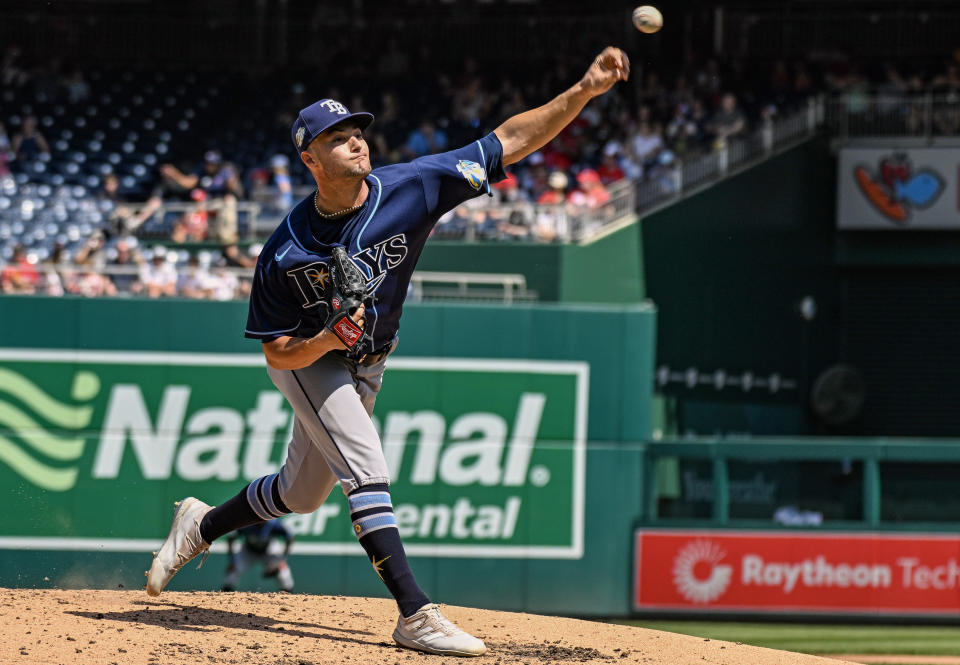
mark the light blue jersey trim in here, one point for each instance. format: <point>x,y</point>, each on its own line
<point>376,204</point>
<point>294,235</point>
<point>372,212</point>
<point>483,160</point>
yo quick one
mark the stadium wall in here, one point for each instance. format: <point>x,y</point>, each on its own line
<point>799,527</point>
<point>730,268</point>
<point>607,270</point>
<point>514,437</point>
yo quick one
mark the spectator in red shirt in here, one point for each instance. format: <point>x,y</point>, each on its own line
<point>19,276</point>
<point>552,223</point>
<point>609,169</point>
<point>591,193</point>
<point>193,225</point>
<point>557,193</point>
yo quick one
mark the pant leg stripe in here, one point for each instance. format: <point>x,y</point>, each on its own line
<point>323,425</point>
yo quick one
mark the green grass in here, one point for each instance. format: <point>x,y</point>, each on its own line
<point>822,638</point>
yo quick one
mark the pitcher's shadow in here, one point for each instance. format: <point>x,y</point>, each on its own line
<point>192,618</point>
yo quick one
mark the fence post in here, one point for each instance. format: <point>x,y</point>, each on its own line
<point>650,488</point>
<point>721,486</point>
<point>871,491</point>
<point>766,134</point>
<point>723,157</point>
<point>840,107</point>
<point>928,116</point>
<point>677,176</point>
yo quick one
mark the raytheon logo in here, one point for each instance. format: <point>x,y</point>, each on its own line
<point>698,574</point>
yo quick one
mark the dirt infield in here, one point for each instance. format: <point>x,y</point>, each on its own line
<point>78,627</point>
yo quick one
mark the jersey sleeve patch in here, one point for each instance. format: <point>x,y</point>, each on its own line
<point>450,178</point>
<point>472,172</point>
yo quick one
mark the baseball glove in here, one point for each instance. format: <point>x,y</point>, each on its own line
<point>348,290</point>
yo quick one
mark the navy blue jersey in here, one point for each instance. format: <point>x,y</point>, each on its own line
<point>384,238</point>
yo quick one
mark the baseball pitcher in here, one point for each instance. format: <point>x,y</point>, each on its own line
<point>326,300</point>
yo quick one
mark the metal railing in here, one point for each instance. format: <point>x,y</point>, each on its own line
<point>506,288</point>
<point>524,221</point>
<point>669,183</point>
<point>862,114</point>
<point>159,226</point>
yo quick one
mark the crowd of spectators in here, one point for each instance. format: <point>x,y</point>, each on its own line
<point>640,131</point>
<point>884,97</point>
<point>119,268</point>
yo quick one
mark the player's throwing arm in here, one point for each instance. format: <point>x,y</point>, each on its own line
<point>529,131</point>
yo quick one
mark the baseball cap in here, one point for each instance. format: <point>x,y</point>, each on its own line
<point>321,116</point>
<point>588,176</point>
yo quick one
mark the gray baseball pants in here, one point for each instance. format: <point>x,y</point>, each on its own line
<point>333,435</point>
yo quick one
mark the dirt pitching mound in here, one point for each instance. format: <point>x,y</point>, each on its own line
<point>122,627</point>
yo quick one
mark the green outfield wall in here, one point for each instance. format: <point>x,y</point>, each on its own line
<point>607,270</point>
<point>729,268</point>
<point>513,437</point>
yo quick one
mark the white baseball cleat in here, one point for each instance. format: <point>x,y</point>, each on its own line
<point>428,630</point>
<point>182,544</point>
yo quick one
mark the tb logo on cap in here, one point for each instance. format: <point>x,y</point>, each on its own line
<point>334,107</point>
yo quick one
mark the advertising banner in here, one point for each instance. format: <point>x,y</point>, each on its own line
<point>898,189</point>
<point>796,572</point>
<point>487,456</point>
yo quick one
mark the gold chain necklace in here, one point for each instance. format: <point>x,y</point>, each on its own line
<point>330,215</point>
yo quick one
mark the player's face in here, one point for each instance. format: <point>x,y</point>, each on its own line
<point>341,152</point>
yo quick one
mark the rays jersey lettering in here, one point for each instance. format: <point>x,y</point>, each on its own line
<point>384,238</point>
<point>385,255</point>
<point>313,279</point>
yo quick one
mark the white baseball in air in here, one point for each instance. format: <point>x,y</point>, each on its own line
<point>647,19</point>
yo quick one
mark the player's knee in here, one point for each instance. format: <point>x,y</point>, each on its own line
<point>304,503</point>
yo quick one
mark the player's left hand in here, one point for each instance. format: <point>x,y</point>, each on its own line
<point>610,66</point>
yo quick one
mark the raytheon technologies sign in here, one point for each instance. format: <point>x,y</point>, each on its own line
<point>797,572</point>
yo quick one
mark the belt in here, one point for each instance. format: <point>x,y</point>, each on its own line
<point>374,356</point>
